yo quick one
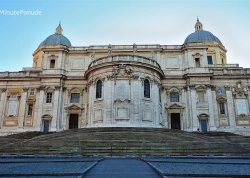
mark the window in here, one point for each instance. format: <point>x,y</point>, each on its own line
<point>52,63</point>
<point>197,62</point>
<point>146,88</point>
<point>32,92</point>
<point>201,96</point>
<point>49,98</point>
<point>99,89</point>
<point>222,108</point>
<point>30,109</point>
<point>174,97</point>
<point>222,61</point>
<point>209,60</point>
<point>75,98</point>
<point>160,95</point>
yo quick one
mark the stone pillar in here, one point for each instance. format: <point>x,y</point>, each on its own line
<point>2,105</point>
<point>22,108</point>
<point>66,95</point>
<point>210,109</point>
<point>193,109</point>
<point>231,113</point>
<point>184,114</point>
<point>60,105</point>
<point>39,107</point>
<point>55,119</point>
<point>215,108</point>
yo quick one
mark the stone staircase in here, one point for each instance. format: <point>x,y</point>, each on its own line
<point>125,141</point>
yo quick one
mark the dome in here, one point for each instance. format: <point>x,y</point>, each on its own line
<point>201,35</point>
<point>56,39</point>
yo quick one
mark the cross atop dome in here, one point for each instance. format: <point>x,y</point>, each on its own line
<point>198,25</point>
<point>59,29</point>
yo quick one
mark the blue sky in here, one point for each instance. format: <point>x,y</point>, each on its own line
<point>96,22</point>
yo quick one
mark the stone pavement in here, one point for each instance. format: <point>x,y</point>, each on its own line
<point>123,167</point>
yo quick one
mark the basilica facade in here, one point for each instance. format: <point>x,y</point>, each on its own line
<point>189,87</point>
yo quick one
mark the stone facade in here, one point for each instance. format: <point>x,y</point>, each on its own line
<point>189,87</point>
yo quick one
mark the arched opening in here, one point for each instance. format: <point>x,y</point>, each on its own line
<point>99,89</point>
<point>146,88</point>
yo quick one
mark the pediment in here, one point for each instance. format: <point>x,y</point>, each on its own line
<point>174,106</point>
<point>73,107</point>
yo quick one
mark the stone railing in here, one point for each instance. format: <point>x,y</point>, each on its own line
<point>128,47</point>
<point>24,73</point>
<point>124,58</point>
<point>223,65</point>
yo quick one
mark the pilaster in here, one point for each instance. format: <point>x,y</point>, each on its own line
<point>231,112</point>
<point>2,105</point>
<point>210,109</point>
<point>193,109</point>
<point>22,107</point>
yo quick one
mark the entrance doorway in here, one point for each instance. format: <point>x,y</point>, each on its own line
<point>203,125</point>
<point>73,121</point>
<point>46,126</point>
<point>175,121</point>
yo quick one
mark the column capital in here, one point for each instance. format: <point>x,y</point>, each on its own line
<point>25,89</point>
<point>227,88</point>
<point>3,89</point>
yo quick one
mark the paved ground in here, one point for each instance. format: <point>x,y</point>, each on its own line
<point>124,167</point>
<point>201,166</point>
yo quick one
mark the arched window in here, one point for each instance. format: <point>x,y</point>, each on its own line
<point>222,108</point>
<point>146,88</point>
<point>99,89</point>
<point>174,97</point>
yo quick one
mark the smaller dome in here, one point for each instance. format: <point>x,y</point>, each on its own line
<point>56,39</point>
<point>201,35</point>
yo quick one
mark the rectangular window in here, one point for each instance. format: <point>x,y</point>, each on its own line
<point>30,109</point>
<point>75,98</point>
<point>174,97</point>
<point>32,92</point>
<point>209,60</point>
<point>222,108</point>
<point>49,98</point>
<point>201,96</point>
<point>197,62</point>
<point>52,63</point>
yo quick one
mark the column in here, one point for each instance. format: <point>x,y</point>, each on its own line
<point>184,112</point>
<point>39,108</point>
<point>60,108</point>
<point>54,122</point>
<point>231,113</point>
<point>22,108</point>
<point>2,105</point>
<point>210,109</point>
<point>192,108</point>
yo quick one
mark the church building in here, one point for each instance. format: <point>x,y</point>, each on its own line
<point>190,87</point>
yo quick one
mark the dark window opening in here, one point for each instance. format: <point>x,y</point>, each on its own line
<point>146,88</point>
<point>52,63</point>
<point>49,98</point>
<point>99,89</point>
<point>30,109</point>
<point>222,108</point>
<point>209,60</point>
<point>197,62</point>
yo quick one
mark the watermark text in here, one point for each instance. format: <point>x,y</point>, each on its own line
<point>21,12</point>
